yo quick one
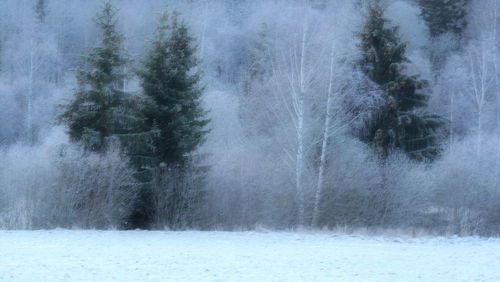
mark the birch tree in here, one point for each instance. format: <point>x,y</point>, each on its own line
<point>284,95</point>
<point>297,68</point>
<point>478,63</point>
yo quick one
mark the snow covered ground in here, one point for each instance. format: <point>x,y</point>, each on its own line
<point>63,255</point>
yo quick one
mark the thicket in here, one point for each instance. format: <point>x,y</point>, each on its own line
<point>370,114</point>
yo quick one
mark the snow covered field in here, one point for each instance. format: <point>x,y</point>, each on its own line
<point>63,255</point>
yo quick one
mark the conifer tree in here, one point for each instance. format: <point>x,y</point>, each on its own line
<point>101,109</point>
<point>446,20</point>
<point>398,123</point>
<point>103,113</point>
<point>259,65</point>
<point>171,86</point>
<point>258,71</point>
<point>444,16</point>
<point>41,10</point>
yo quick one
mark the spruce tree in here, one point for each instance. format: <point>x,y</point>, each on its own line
<point>398,124</point>
<point>171,86</point>
<point>103,113</point>
<point>41,10</point>
<point>258,70</point>
<point>258,61</point>
<point>444,16</point>
<point>101,109</point>
<point>446,20</point>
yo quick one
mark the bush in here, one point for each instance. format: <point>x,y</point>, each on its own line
<point>59,185</point>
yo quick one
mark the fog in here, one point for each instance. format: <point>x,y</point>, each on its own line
<point>288,107</point>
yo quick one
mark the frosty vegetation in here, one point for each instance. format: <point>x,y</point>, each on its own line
<point>235,114</point>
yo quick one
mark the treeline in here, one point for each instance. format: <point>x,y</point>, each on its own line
<point>136,165</point>
<point>357,114</point>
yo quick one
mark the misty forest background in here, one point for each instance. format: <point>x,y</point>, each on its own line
<point>241,114</point>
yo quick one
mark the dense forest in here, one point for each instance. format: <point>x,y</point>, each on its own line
<point>244,114</point>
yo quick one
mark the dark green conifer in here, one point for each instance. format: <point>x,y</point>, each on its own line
<point>258,71</point>
<point>103,114</point>
<point>171,84</point>
<point>173,108</point>
<point>41,10</point>
<point>444,16</point>
<point>101,109</point>
<point>398,124</point>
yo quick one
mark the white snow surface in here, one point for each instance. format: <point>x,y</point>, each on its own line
<point>72,255</point>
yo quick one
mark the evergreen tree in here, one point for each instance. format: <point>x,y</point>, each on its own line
<point>101,109</point>
<point>398,123</point>
<point>171,86</point>
<point>444,16</point>
<point>102,113</point>
<point>41,10</point>
<point>258,70</point>
<point>446,20</point>
<point>258,61</point>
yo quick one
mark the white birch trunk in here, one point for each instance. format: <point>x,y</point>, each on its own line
<point>299,165</point>
<point>479,86</point>
<point>322,164</point>
<point>29,118</point>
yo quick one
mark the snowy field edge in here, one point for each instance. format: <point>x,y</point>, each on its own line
<point>77,255</point>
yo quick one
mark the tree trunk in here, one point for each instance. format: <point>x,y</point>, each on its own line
<point>322,164</point>
<point>29,118</point>
<point>299,166</point>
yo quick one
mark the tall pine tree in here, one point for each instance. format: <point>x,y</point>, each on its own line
<point>398,123</point>
<point>172,86</point>
<point>444,16</point>
<point>257,73</point>
<point>103,113</point>
<point>446,20</point>
<point>173,109</point>
<point>101,110</point>
<point>41,10</point>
